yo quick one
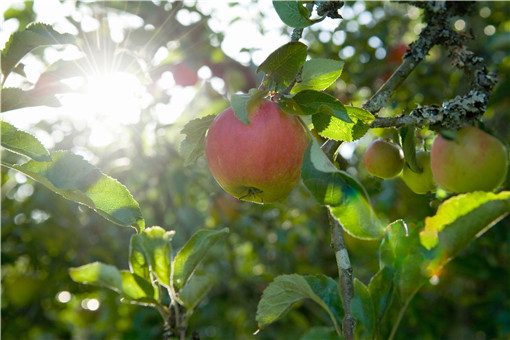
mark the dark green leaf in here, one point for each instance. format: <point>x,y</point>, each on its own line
<point>409,147</point>
<point>23,143</point>
<point>193,144</point>
<point>193,252</point>
<point>156,243</point>
<point>294,14</point>
<point>344,195</point>
<point>98,274</point>
<point>381,291</point>
<point>242,103</point>
<point>362,309</point>
<point>321,333</point>
<point>318,74</point>
<point>459,220</point>
<point>137,261</point>
<point>281,294</point>
<point>14,98</point>
<point>195,290</point>
<point>76,179</point>
<point>282,66</point>
<point>309,102</point>
<point>22,42</point>
<point>327,290</point>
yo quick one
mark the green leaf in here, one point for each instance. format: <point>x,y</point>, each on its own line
<point>156,243</point>
<point>381,291</point>
<point>327,290</point>
<point>282,66</point>
<point>345,196</point>
<point>137,288</point>
<point>23,143</point>
<point>193,145</point>
<point>195,290</point>
<point>321,333</point>
<point>75,179</point>
<point>409,147</point>
<point>14,98</point>
<point>281,294</point>
<point>193,252</point>
<point>318,74</point>
<point>242,103</point>
<point>333,128</point>
<point>98,274</point>
<point>22,42</point>
<point>310,102</point>
<point>362,309</point>
<point>137,261</point>
<point>459,220</point>
<point>294,14</point>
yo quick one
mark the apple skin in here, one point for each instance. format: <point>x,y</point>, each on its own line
<point>383,159</point>
<point>474,161</point>
<point>259,162</point>
<point>184,75</point>
<point>423,182</point>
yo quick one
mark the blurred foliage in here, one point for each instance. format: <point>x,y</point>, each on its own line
<point>43,235</point>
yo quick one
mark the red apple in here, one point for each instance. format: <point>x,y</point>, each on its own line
<point>184,75</point>
<point>397,52</point>
<point>473,161</point>
<point>420,182</point>
<point>383,159</point>
<point>259,162</point>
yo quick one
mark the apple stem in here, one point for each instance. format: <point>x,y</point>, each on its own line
<point>345,275</point>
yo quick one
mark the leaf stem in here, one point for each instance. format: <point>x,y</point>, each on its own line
<point>345,275</point>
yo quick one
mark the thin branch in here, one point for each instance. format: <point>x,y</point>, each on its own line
<point>345,275</point>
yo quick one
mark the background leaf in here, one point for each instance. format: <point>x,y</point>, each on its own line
<point>193,252</point>
<point>14,98</point>
<point>22,42</point>
<point>74,178</point>
<point>23,143</point>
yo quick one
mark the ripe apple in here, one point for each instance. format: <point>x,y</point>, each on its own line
<point>383,159</point>
<point>184,75</point>
<point>397,52</point>
<point>259,162</point>
<point>420,182</point>
<point>474,160</point>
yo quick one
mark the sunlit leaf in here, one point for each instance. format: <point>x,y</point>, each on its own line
<point>310,102</point>
<point>157,246</point>
<point>318,74</point>
<point>22,42</point>
<point>331,127</point>
<point>76,179</point>
<point>98,274</point>
<point>294,14</point>
<point>23,143</point>
<point>282,66</point>
<point>459,220</point>
<point>137,261</point>
<point>136,288</point>
<point>193,252</point>
<point>14,98</point>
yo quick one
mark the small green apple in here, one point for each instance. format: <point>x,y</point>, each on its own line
<point>473,161</point>
<point>383,159</point>
<point>258,162</point>
<point>420,182</point>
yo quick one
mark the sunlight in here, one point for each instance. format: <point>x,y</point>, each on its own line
<point>107,101</point>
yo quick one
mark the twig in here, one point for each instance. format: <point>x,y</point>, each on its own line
<point>345,275</point>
